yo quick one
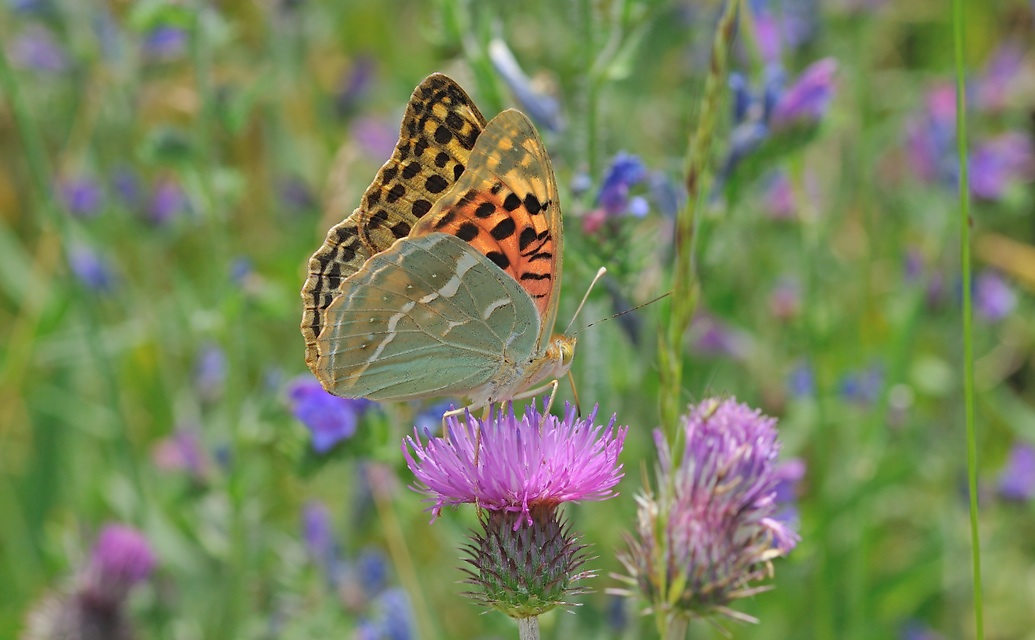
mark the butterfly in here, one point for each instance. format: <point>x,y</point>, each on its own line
<point>445,281</point>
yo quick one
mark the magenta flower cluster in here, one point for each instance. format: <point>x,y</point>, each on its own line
<point>522,462</point>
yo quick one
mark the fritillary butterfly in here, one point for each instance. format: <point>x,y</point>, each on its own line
<point>445,281</point>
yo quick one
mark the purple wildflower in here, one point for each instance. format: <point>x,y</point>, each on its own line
<point>210,372</point>
<point>523,462</point>
<point>36,49</point>
<point>91,269</point>
<point>295,194</point>
<point>993,87</point>
<point>330,419</point>
<point>183,451</point>
<point>781,23</point>
<point>82,196</point>
<point>713,528</point>
<point>997,163</point>
<point>525,560</point>
<point>807,100</point>
<point>712,337</point>
<point>759,115</point>
<point>1017,479</point>
<point>767,34</point>
<point>167,202</point>
<point>165,42</point>
<point>94,609</point>
<point>355,86</point>
<point>540,105</point>
<point>993,297</point>
<point>375,136</point>
<point>121,559</point>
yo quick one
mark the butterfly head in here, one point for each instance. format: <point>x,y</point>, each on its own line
<point>559,354</point>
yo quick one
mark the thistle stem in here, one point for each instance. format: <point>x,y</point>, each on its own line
<point>528,628</point>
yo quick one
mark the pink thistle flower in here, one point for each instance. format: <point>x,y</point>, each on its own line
<point>526,559</point>
<point>713,530</point>
<point>534,460</point>
<point>121,559</point>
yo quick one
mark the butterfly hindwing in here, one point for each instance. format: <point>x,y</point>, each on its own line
<point>429,317</point>
<point>438,131</point>
<point>506,207</point>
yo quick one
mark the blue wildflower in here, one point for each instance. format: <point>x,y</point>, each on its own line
<point>917,630</point>
<point>1017,479</point>
<point>82,196</point>
<point>626,171</point>
<point>91,269</point>
<point>801,382</point>
<point>167,202</point>
<point>125,184</point>
<point>165,42</point>
<point>392,618</point>
<point>668,196</point>
<point>543,108</point>
<point>371,570</point>
<point>863,387</point>
<point>210,372</point>
<point>330,419</point>
<point>320,543</point>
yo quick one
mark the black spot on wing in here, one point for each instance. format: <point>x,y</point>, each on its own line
<point>468,231</point>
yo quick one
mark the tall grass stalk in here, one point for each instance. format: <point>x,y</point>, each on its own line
<point>685,287</point>
<point>968,334</point>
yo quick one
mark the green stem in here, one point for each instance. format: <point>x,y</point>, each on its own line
<point>968,342</point>
<point>685,286</point>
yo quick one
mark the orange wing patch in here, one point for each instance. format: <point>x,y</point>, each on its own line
<point>506,207</point>
<point>511,230</point>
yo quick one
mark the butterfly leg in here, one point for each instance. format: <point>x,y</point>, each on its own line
<point>531,393</point>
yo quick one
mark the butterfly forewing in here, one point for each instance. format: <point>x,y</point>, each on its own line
<point>436,137</point>
<point>506,207</point>
<point>438,131</point>
<point>429,317</point>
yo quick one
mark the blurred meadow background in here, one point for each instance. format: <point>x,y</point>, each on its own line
<point>167,169</point>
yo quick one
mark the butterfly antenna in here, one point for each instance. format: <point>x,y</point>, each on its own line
<point>622,313</point>
<point>600,274</point>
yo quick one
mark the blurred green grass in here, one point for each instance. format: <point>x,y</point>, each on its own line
<point>257,99</point>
